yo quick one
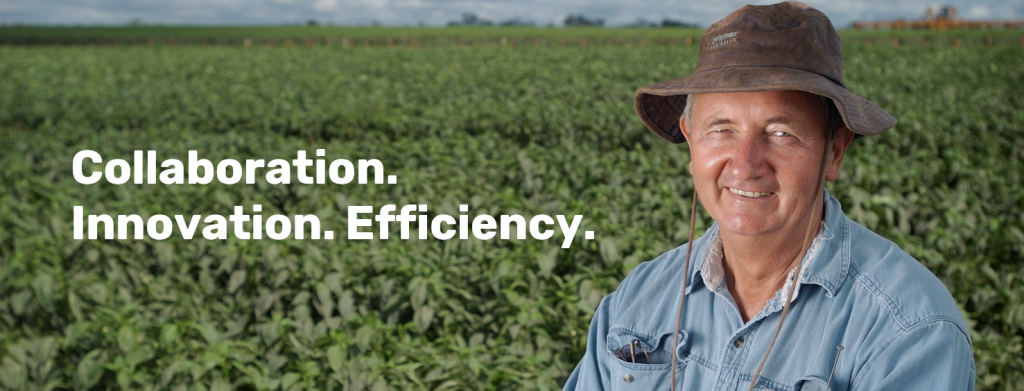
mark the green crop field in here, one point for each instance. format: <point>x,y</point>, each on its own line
<point>349,36</point>
<point>525,130</point>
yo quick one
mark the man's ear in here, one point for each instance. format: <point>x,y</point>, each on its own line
<point>842,141</point>
<point>683,128</point>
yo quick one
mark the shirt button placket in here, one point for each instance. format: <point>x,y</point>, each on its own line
<point>731,362</point>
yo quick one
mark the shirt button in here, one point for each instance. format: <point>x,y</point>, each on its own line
<point>628,378</point>
<point>738,342</point>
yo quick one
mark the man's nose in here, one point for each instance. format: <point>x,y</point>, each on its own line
<point>748,158</point>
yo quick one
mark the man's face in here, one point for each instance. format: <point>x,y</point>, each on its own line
<point>755,158</point>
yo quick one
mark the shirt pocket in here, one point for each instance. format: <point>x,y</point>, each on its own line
<point>642,361</point>
<point>806,383</point>
<point>810,383</point>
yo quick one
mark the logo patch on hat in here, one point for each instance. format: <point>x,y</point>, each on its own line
<point>722,40</point>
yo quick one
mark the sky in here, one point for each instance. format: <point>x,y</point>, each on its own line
<point>440,12</point>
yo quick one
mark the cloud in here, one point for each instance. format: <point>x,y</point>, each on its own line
<point>439,12</point>
<point>978,11</point>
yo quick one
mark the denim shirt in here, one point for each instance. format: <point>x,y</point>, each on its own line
<point>897,323</point>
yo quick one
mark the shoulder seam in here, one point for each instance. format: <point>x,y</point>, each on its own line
<point>904,324</point>
<point>878,294</point>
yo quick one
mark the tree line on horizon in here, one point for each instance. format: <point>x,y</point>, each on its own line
<point>572,20</point>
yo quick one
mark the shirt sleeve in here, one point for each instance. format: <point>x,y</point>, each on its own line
<point>933,356</point>
<point>592,372</point>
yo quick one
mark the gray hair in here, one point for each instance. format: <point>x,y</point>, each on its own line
<point>833,120</point>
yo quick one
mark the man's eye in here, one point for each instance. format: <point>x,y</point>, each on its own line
<point>780,133</point>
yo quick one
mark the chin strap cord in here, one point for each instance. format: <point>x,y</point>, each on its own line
<point>800,257</point>
<point>682,293</point>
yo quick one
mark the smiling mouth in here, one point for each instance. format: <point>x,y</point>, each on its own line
<point>748,194</point>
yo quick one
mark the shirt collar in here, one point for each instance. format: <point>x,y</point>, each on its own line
<point>826,263</point>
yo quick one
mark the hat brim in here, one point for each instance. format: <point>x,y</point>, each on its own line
<point>660,105</point>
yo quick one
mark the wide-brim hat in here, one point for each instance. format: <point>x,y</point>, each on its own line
<point>785,46</point>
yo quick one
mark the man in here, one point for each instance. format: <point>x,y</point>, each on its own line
<point>767,118</point>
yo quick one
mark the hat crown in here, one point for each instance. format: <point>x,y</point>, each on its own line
<point>785,46</point>
<point>790,35</point>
